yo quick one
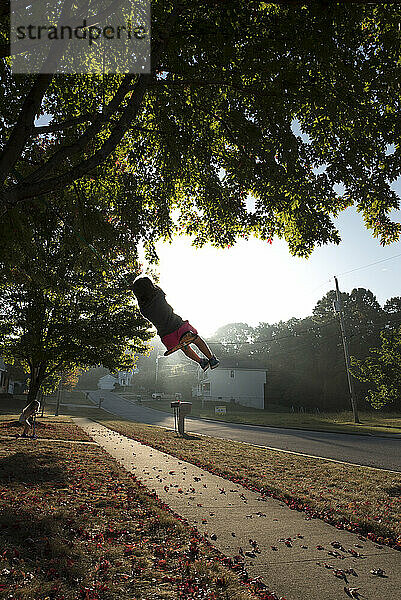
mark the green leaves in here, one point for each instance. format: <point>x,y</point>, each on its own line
<point>67,311</point>
<point>215,122</point>
<point>382,370</point>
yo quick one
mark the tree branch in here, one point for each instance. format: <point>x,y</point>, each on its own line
<point>36,185</point>
<point>110,109</point>
<point>63,124</point>
<point>69,151</point>
<point>23,127</point>
<point>54,369</point>
<point>31,188</point>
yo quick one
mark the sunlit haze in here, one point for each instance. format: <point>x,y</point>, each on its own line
<point>256,282</point>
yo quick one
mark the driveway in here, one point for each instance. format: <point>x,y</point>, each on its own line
<point>379,452</point>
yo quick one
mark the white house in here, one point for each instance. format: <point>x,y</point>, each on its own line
<point>107,382</point>
<point>9,385</point>
<point>124,378</point>
<point>241,381</point>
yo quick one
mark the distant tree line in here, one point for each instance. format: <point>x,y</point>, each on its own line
<point>305,360</point>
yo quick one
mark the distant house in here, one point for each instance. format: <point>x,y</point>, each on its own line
<point>122,378</point>
<point>107,382</point>
<point>9,384</point>
<point>242,381</point>
<point>125,377</point>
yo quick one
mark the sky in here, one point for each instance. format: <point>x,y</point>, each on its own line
<point>256,282</point>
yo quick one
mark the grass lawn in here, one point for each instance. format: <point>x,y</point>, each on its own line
<point>372,423</point>
<point>74,525</point>
<point>47,427</point>
<point>67,397</point>
<point>360,499</point>
<point>357,498</point>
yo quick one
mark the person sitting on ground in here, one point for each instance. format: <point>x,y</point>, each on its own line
<point>170,327</point>
<point>26,417</point>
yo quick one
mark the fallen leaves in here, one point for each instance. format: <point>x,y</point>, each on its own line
<point>50,428</point>
<point>80,526</point>
<point>378,572</point>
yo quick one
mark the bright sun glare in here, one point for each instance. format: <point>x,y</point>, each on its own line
<point>257,282</point>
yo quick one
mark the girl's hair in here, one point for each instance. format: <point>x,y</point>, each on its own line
<point>143,289</point>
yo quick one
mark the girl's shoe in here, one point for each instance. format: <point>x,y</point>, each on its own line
<point>213,362</point>
<point>204,364</point>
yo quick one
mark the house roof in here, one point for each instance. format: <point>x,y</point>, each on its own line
<point>247,364</point>
<point>108,377</point>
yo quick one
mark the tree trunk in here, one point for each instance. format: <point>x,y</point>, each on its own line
<point>35,381</point>
<point>34,386</point>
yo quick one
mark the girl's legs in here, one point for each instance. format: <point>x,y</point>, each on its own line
<point>203,347</point>
<point>191,354</point>
<point>27,427</point>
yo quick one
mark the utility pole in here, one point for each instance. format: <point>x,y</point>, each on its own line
<point>157,371</point>
<point>339,309</point>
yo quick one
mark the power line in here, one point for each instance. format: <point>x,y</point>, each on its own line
<point>371,264</point>
<point>356,269</point>
<point>322,284</point>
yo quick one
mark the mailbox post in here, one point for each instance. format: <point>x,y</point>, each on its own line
<point>181,410</point>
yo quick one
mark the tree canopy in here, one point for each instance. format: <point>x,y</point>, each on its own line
<point>179,150</point>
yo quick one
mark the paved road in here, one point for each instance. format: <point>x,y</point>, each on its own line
<point>380,452</point>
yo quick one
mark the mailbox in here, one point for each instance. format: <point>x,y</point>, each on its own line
<point>181,410</point>
<point>185,407</point>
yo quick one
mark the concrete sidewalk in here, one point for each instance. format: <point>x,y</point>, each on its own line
<point>296,557</point>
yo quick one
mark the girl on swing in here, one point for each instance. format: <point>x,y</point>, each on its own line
<point>170,327</point>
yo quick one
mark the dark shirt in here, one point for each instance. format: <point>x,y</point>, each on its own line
<point>161,314</point>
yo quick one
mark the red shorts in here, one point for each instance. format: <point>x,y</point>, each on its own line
<point>173,339</point>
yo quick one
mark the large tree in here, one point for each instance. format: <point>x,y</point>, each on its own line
<point>61,306</point>
<point>212,122</point>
